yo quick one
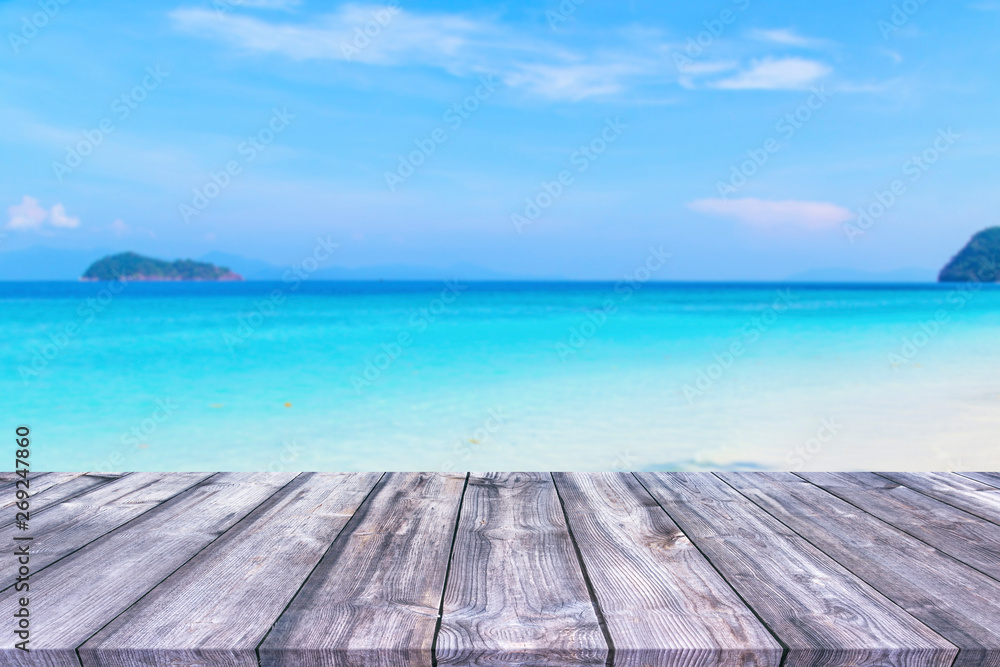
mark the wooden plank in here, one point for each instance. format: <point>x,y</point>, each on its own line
<point>375,597</point>
<point>957,533</point>
<point>218,607</point>
<point>516,594</point>
<point>990,478</point>
<point>52,488</point>
<point>72,524</point>
<point>9,484</point>
<point>982,500</point>
<point>794,588</point>
<point>80,594</point>
<point>958,602</point>
<point>663,603</point>
<point>8,479</point>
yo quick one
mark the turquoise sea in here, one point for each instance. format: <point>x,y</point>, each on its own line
<point>501,376</point>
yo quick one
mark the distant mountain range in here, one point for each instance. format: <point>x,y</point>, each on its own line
<point>910,275</point>
<point>40,263</point>
<point>254,269</point>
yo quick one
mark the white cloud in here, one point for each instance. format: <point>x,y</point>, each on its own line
<point>395,36</point>
<point>26,215</point>
<point>810,215</point>
<point>30,215</point>
<point>786,37</point>
<point>776,74</point>
<point>455,43</point>
<point>264,4</point>
<point>893,55</point>
<point>119,227</point>
<point>691,74</point>
<point>573,82</point>
<point>710,67</point>
<point>58,218</point>
<point>465,44</point>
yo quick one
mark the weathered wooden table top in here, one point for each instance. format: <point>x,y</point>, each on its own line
<point>692,569</point>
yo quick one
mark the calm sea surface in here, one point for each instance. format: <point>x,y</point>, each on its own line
<point>502,376</point>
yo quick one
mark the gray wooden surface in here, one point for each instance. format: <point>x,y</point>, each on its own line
<point>991,478</point>
<point>957,533</point>
<point>211,610</point>
<point>78,595</point>
<point>80,520</point>
<point>965,493</point>
<point>643,567</point>
<point>953,599</point>
<point>817,608</point>
<point>374,598</point>
<point>657,569</point>
<point>49,489</point>
<point>515,587</point>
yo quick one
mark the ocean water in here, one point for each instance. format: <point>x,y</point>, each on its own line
<point>520,376</point>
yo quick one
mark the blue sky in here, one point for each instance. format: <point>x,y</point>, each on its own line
<point>742,136</point>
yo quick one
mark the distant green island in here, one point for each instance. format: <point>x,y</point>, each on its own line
<point>977,262</point>
<point>133,266</point>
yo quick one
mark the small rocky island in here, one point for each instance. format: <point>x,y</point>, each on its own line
<point>132,266</point>
<point>978,261</point>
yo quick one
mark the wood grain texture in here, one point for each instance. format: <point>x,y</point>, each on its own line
<point>217,608</point>
<point>73,524</point>
<point>80,594</point>
<point>51,488</point>
<point>335,569</point>
<point>375,597</point>
<point>663,603</point>
<point>968,538</point>
<point>9,479</point>
<point>820,611</point>
<point>990,478</point>
<point>982,500</point>
<point>516,594</point>
<point>958,602</point>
